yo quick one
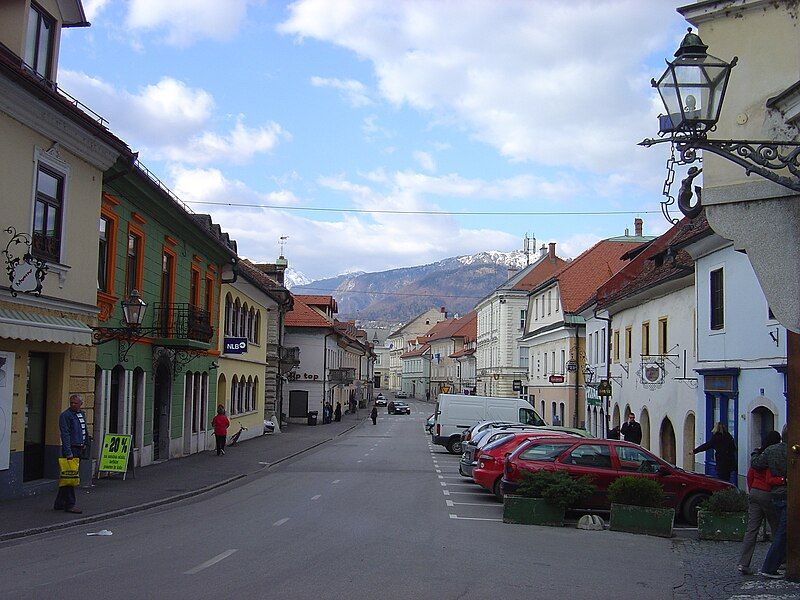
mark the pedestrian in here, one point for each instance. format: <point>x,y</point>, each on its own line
<point>774,459</point>
<point>631,431</point>
<point>724,451</point>
<point>221,423</point>
<point>613,433</point>
<point>337,414</point>
<point>326,413</point>
<point>759,504</point>
<point>72,426</point>
<point>374,415</point>
<point>427,396</point>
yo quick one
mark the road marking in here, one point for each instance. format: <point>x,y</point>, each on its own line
<point>210,562</point>
<point>461,477</point>
<point>281,522</point>
<point>367,454</point>
<point>452,516</point>
<point>358,461</point>
<point>440,476</point>
<point>482,494</point>
<point>438,470</point>
<point>445,492</point>
<point>317,497</point>
<point>335,481</point>
<point>449,502</point>
<point>464,484</point>
<point>477,504</point>
<point>443,484</point>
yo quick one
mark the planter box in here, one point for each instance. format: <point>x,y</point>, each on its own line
<point>531,511</point>
<point>728,527</point>
<point>642,519</point>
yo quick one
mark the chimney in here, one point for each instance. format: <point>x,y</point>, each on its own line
<point>443,311</point>
<point>543,250</point>
<point>510,272</point>
<point>552,251</point>
<point>637,226</point>
<point>627,232</point>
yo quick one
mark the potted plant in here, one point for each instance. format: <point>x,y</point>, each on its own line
<point>637,507</point>
<point>723,516</point>
<point>543,497</point>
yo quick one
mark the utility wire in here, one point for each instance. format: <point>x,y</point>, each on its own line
<point>430,212</point>
<point>328,291</point>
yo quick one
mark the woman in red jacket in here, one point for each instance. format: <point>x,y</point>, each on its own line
<point>221,424</point>
<point>759,504</point>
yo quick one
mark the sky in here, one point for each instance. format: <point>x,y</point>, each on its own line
<point>256,111</point>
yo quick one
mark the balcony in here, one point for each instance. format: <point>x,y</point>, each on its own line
<point>343,376</point>
<point>289,358</point>
<point>182,324</point>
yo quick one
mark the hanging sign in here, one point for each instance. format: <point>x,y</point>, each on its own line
<point>114,453</point>
<point>235,345</point>
<point>516,385</point>
<point>604,388</point>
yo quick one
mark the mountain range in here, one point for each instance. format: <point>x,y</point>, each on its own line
<point>397,295</point>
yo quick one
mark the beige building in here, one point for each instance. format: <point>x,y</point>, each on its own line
<point>398,341</point>
<point>53,159</point>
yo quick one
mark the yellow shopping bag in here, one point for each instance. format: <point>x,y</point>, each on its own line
<point>69,472</point>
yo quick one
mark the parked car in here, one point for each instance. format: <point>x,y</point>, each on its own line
<point>429,423</point>
<point>398,408</point>
<point>380,400</point>
<point>487,470</point>
<point>604,461</point>
<point>401,394</point>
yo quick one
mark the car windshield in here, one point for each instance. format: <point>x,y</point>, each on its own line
<point>495,437</point>
<point>544,451</point>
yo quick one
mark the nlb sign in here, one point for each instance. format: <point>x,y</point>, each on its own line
<point>235,345</point>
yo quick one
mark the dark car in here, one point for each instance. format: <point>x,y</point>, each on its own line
<point>604,461</point>
<point>398,408</point>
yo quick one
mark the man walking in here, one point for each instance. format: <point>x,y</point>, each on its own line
<point>72,425</point>
<point>631,431</point>
<point>374,415</point>
<point>774,459</point>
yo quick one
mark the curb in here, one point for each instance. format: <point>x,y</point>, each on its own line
<point>13,535</point>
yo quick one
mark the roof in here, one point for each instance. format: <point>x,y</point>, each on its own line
<point>418,352</point>
<point>658,263</point>
<point>303,315</point>
<point>443,330</point>
<point>541,271</point>
<point>318,300</point>
<point>578,280</point>
<point>469,327</point>
<point>462,353</point>
<point>262,281</point>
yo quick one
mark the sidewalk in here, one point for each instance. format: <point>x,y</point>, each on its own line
<point>168,481</point>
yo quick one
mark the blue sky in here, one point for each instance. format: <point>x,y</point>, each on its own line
<point>412,106</point>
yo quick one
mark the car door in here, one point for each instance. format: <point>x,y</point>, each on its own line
<point>593,460</point>
<point>637,462</point>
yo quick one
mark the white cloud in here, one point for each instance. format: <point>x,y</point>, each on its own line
<point>211,185</point>
<point>93,8</point>
<point>553,82</point>
<point>352,90</point>
<point>425,160</point>
<point>184,21</point>
<point>172,121</point>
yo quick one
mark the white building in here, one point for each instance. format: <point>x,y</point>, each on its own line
<point>500,325</point>
<point>398,341</point>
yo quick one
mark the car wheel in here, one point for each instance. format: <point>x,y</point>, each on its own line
<point>498,493</point>
<point>454,446</point>
<point>691,506</point>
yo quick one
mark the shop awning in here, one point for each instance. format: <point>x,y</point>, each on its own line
<point>22,325</point>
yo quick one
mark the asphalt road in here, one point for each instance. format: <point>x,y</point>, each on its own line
<point>379,513</point>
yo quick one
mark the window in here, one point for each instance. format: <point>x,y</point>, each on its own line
<point>522,314</point>
<point>662,335</point>
<point>563,356</point>
<point>561,414</point>
<point>544,452</point>
<point>104,251</point>
<point>589,455</point>
<point>523,356</point>
<point>549,303</point>
<point>167,281</point>
<point>628,345</point>
<point>589,347</point>
<point>633,459</point>
<point>47,215</point>
<point>209,301</point>
<point>545,364</point>
<point>194,288</point>
<point>615,345</point>
<point>528,416</point>
<point>228,315</point>
<point>132,263</point>
<point>646,339</point>
<point>536,309</point>
<point>39,41</point>
<point>603,346</point>
<point>717,294</point>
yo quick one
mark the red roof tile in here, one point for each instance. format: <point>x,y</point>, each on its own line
<point>418,352</point>
<point>303,315</point>
<point>469,327</point>
<point>540,273</point>
<point>318,300</point>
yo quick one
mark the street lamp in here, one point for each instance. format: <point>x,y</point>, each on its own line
<point>693,89</point>
<point>133,310</point>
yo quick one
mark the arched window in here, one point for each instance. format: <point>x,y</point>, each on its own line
<point>251,322</point>
<point>255,393</point>
<point>237,309</point>
<point>250,396</point>
<point>240,400</point>
<point>243,321</point>
<point>234,394</point>
<point>228,315</point>
<point>257,327</point>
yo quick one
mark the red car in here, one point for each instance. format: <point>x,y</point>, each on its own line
<point>488,472</point>
<point>604,461</point>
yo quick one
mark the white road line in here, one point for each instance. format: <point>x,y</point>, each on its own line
<point>210,562</point>
<point>477,504</point>
<point>448,502</point>
<point>281,522</point>
<point>445,492</point>
<point>358,461</point>
<point>443,484</point>
<point>461,477</point>
<point>440,476</point>
<point>472,485</point>
<point>475,493</point>
<point>335,481</point>
<point>438,470</point>
<point>452,516</point>
<point>317,497</point>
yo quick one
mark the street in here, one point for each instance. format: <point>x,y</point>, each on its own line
<point>376,513</point>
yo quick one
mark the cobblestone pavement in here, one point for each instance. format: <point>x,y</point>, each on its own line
<point>710,574</point>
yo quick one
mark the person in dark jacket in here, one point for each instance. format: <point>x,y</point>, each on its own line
<point>631,431</point>
<point>337,414</point>
<point>374,415</point>
<point>774,458</point>
<point>724,448</point>
<point>613,433</point>
<point>72,426</point>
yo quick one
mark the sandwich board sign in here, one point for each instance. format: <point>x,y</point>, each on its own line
<point>115,453</point>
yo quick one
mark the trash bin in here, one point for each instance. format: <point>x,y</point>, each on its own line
<point>312,417</point>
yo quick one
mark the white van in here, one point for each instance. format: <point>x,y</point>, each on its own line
<point>456,412</point>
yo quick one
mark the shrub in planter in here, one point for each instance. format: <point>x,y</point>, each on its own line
<point>543,496</point>
<point>636,507</point>
<point>723,516</point>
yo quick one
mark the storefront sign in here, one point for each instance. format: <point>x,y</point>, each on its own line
<point>114,453</point>
<point>604,388</point>
<point>516,385</point>
<point>235,345</point>
<point>294,376</point>
<point>556,379</point>
<point>592,398</point>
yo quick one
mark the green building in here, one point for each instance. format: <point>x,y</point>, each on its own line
<point>156,381</point>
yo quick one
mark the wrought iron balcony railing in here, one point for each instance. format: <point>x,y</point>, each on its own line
<point>182,321</point>
<point>290,355</point>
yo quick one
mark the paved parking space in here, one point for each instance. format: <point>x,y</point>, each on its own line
<point>463,499</point>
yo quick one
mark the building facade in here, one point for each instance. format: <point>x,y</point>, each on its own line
<point>399,339</point>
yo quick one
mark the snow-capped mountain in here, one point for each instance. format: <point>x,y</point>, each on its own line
<point>293,278</point>
<point>457,283</point>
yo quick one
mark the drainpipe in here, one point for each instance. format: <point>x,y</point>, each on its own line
<point>325,367</point>
<point>608,366</point>
<point>577,372</point>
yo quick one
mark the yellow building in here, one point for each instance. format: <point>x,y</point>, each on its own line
<point>53,160</point>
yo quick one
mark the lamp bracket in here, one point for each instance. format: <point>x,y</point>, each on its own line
<point>126,336</point>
